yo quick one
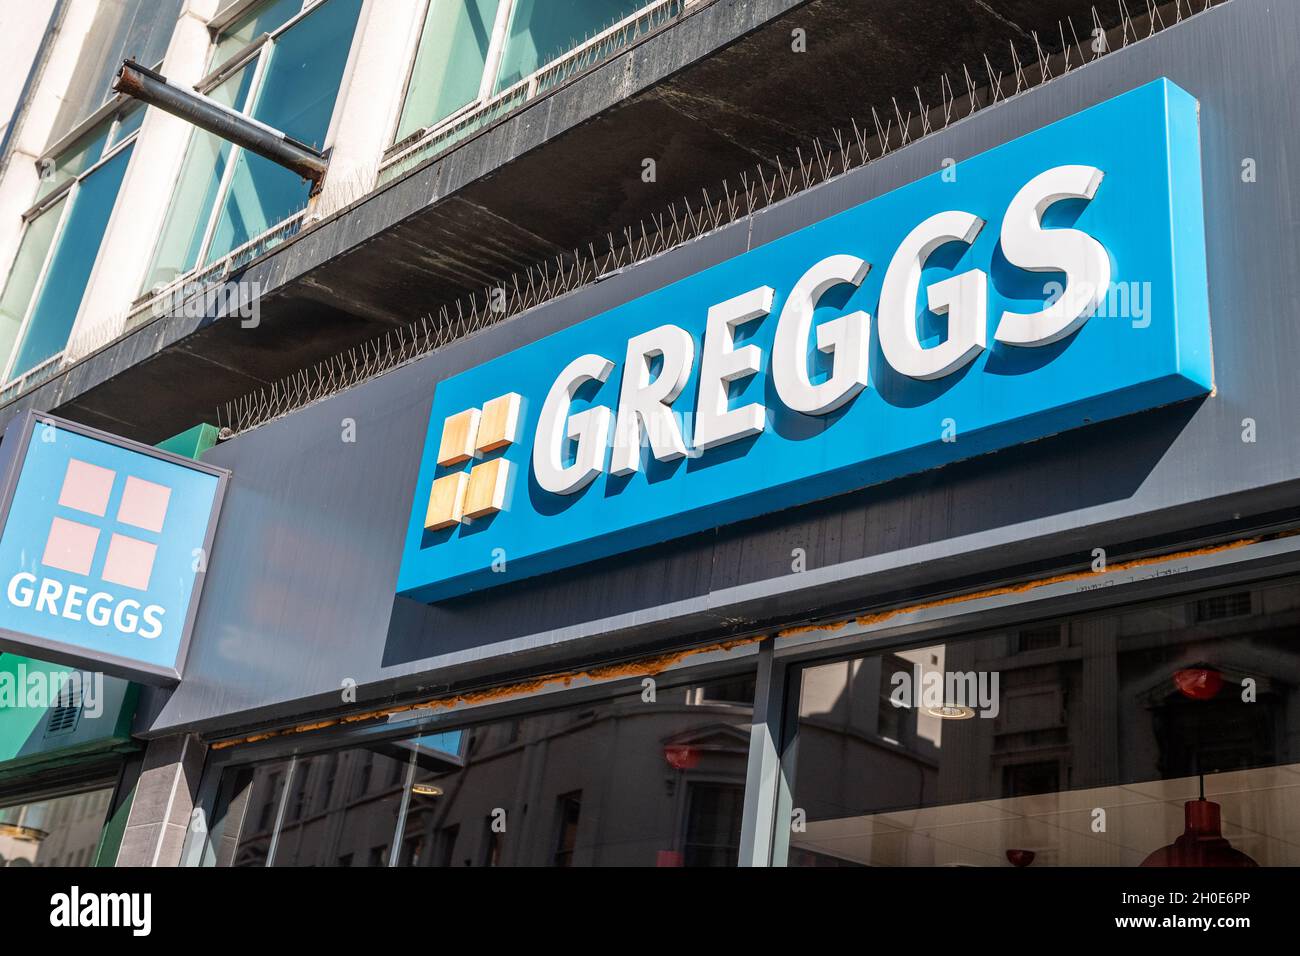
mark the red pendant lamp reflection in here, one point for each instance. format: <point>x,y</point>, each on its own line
<point>681,756</point>
<point>1202,842</point>
<point>1198,683</point>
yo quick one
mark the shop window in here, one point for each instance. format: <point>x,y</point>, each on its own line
<point>1038,639</point>
<point>1222,606</point>
<point>361,827</point>
<point>567,811</point>
<point>56,832</point>
<point>713,824</point>
<point>492,841</point>
<point>226,197</point>
<point>724,692</point>
<point>60,244</point>
<point>446,847</point>
<point>365,766</point>
<point>1027,779</point>
<point>472,51</point>
<point>642,782</point>
<point>250,800</point>
<point>1155,732</point>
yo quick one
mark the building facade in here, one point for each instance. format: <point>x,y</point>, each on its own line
<point>837,577</point>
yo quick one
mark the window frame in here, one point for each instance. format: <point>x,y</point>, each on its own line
<point>113,111</point>
<point>400,149</point>
<point>259,49</point>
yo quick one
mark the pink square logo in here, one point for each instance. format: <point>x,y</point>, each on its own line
<point>144,504</point>
<point>129,562</point>
<point>86,487</point>
<point>70,546</point>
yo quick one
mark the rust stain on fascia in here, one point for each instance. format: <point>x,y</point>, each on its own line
<point>642,667</point>
<point>881,616</point>
<point>649,666</point>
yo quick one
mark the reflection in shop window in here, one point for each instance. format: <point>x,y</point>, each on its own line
<point>633,783</point>
<point>1152,734</point>
<point>567,812</point>
<point>713,824</point>
<point>64,831</point>
<point>492,839</point>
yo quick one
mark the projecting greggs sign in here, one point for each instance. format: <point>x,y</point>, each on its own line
<point>103,548</point>
<point>1053,281</point>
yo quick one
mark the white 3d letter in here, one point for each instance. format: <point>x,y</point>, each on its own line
<point>555,428</point>
<point>963,297</point>
<point>845,338</point>
<point>715,422</point>
<point>645,404</point>
<point>1028,245</point>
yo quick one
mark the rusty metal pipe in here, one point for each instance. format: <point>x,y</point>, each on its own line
<point>207,114</point>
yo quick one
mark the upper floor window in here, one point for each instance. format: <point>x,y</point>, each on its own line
<point>281,62</point>
<point>473,50</point>
<point>261,17</point>
<point>60,244</point>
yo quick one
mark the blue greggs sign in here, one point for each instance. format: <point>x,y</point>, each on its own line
<point>104,548</point>
<point>1056,280</point>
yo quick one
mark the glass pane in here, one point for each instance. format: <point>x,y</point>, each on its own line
<point>247,807</point>
<point>449,65</point>
<point>262,18</point>
<point>178,247</point>
<point>623,781</point>
<point>618,782</point>
<point>542,30</point>
<point>60,832</point>
<point>74,160</point>
<point>296,95</point>
<point>1155,735</point>
<point>342,808</point>
<point>23,275</point>
<point>74,256</point>
<point>130,123</point>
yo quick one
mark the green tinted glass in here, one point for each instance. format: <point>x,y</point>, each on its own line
<point>196,190</point>
<point>74,256</point>
<point>261,18</point>
<point>25,271</point>
<point>297,94</point>
<point>449,65</point>
<point>74,160</point>
<point>543,30</point>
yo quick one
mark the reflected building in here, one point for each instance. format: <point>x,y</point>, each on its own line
<point>1105,728</point>
<point>626,781</point>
